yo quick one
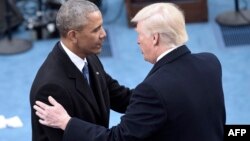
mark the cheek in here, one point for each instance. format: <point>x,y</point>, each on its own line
<point>146,45</point>
<point>145,50</point>
<point>90,40</point>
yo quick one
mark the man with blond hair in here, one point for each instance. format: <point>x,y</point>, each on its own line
<point>181,99</point>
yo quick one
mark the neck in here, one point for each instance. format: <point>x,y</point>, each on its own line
<point>163,51</point>
<point>72,47</point>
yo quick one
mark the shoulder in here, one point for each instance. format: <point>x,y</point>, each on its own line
<point>210,57</point>
<point>207,55</point>
<point>204,58</point>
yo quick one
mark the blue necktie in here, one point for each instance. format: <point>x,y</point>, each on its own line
<point>85,71</point>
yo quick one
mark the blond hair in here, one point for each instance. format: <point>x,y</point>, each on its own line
<point>166,19</point>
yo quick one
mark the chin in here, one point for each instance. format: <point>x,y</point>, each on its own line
<point>99,51</point>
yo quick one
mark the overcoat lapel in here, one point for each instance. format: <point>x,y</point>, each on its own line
<point>101,98</point>
<point>73,73</point>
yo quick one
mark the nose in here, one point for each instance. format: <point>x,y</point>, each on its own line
<point>103,33</point>
<point>138,41</point>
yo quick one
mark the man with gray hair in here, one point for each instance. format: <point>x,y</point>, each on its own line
<point>73,74</point>
<point>181,99</point>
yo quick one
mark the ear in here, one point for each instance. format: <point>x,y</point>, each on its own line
<point>72,36</point>
<point>156,38</point>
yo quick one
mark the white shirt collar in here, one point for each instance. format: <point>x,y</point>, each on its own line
<point>165,53</point>
<point>79,62</point>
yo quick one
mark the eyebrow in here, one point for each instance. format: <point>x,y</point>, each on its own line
<point>98,27</point>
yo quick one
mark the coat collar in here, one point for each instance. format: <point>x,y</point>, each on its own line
<point>170,57</point>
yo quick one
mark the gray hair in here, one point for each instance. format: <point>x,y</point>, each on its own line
<point>166,19</point>
<point>72,15</point>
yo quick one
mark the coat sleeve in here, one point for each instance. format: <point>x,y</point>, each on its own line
<point>60,94</point>
<point>145,115</point>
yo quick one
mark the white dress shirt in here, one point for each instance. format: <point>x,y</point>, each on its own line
<point>165,53</point>
<point>79,62</point>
